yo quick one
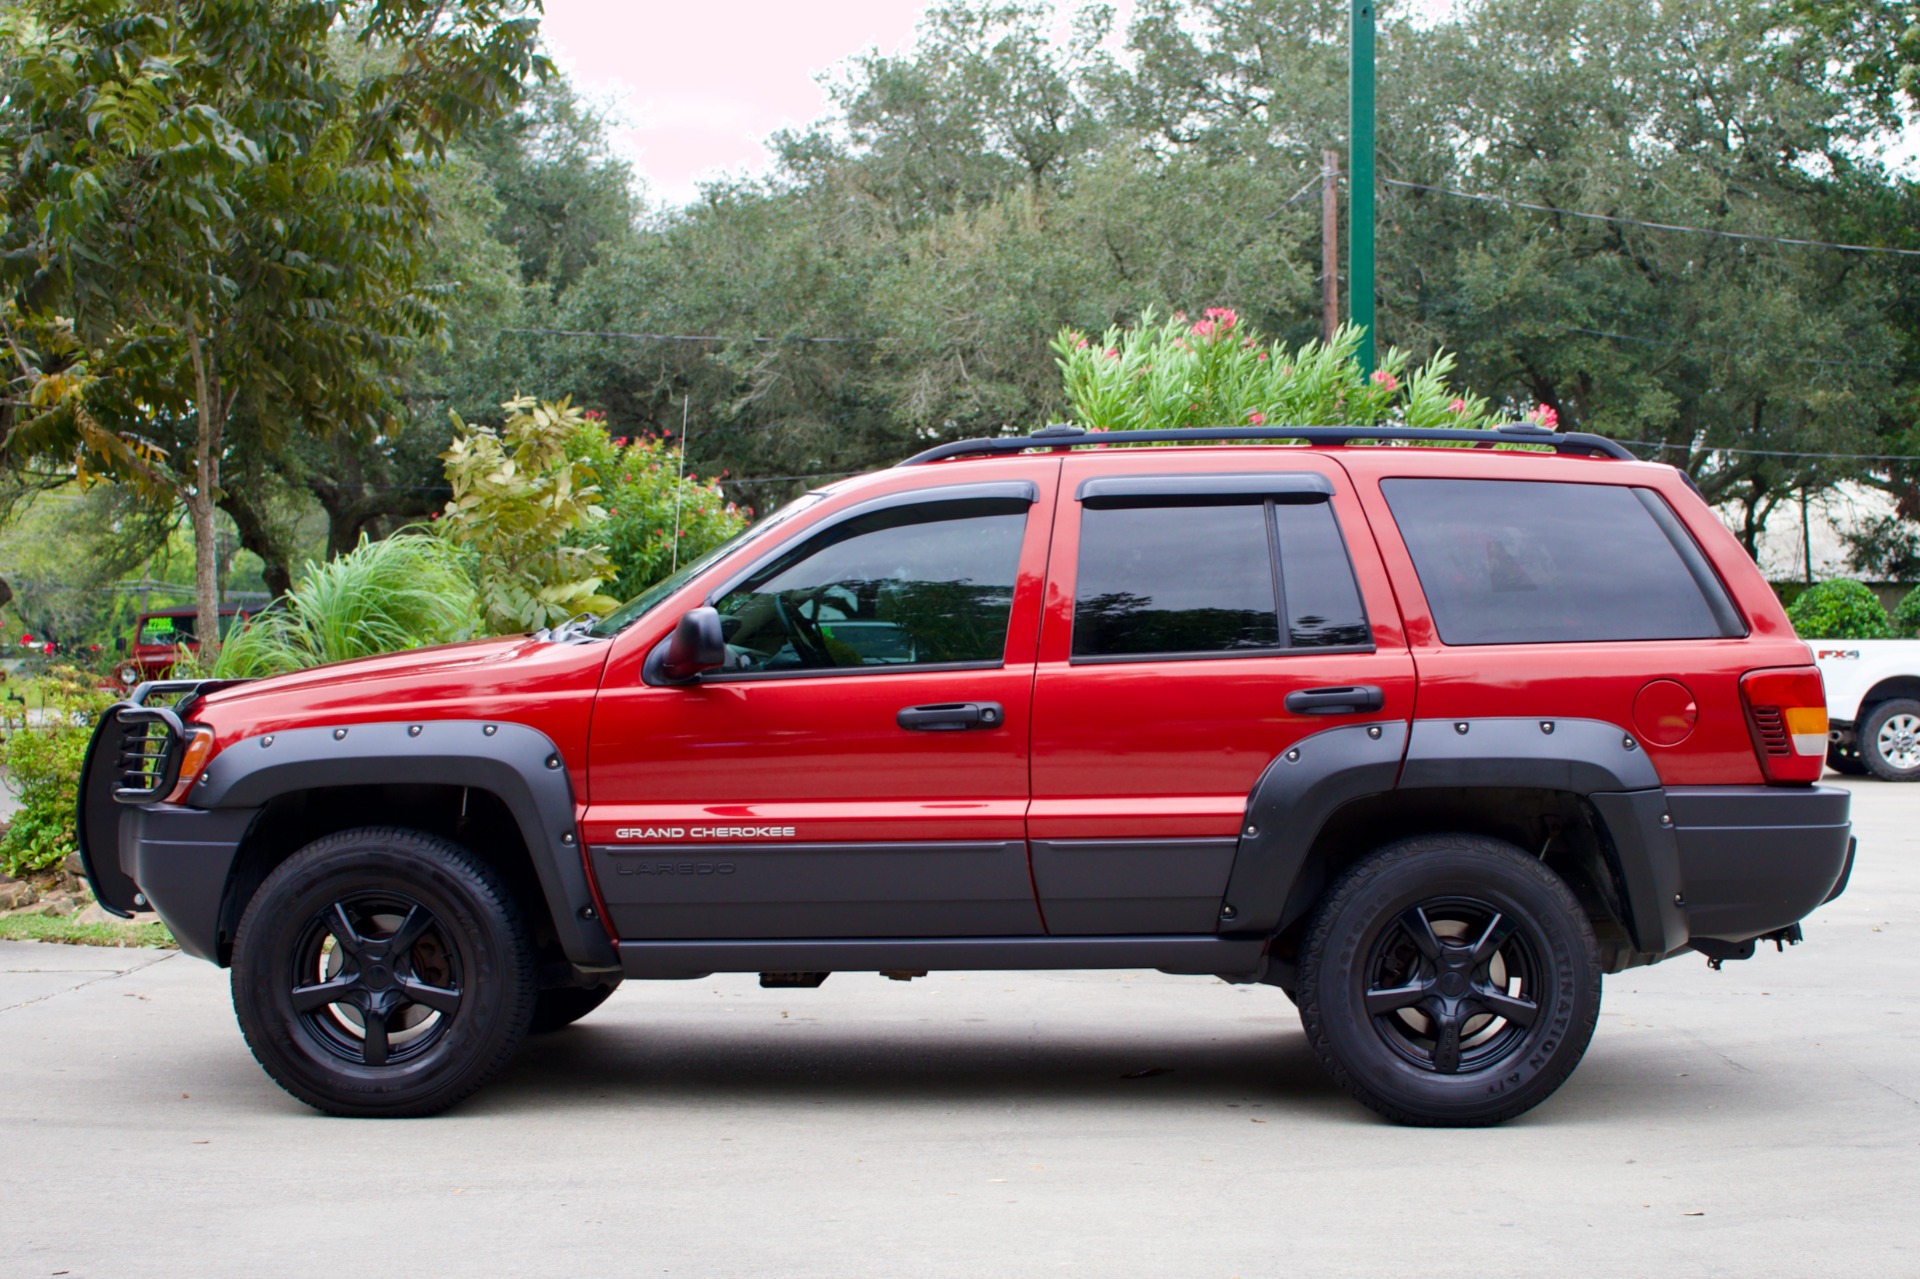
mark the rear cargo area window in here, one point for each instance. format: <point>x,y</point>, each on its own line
<point>1198,580</point>
<point>1528,562</point>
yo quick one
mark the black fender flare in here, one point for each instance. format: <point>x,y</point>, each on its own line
<point>1270,888</point>
<point>519,764</point>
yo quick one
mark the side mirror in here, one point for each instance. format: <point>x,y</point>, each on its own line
<point>696,646</point>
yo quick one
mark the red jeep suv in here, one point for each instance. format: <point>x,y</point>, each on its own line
<point>1430,729</point>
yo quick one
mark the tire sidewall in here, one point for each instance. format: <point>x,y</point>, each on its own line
<point>1869,740</point>
<point>1335,982</point>
<point>490,945</point>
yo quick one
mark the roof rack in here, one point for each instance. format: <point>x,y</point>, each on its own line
<point>1061,436</point>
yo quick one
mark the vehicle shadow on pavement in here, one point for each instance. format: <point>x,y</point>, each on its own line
<point>593,1065</point>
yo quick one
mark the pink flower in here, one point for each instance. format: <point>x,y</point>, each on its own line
<point>1223,314</point>
<point>1112,354</point>
<point>1079,341</point>
<point>1545,416</point>
<point>1202,328</point>
<point>1181,316</point>
<point>1182,344</point>
<point>1386,380</point>
<point>1458,405</point>
<point>620,443</point>
<point>1256,417</point>
<point>1261,358</point>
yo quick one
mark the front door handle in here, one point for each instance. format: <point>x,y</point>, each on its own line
<point>948,717</point>
<point>1349,700</point>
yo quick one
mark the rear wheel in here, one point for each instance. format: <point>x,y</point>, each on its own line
<point>1890,740</point>
<point>383,972</point>
<point>558,1009</point>
<point>1449,980</point>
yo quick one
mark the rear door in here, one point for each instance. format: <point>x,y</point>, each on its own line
<point>1189,597</point>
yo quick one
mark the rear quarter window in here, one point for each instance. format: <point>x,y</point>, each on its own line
<point>1524,562</point>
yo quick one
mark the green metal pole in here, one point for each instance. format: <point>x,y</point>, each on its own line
<point>1360,182</point>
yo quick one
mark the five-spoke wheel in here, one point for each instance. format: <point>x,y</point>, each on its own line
<point>1449,979</point>
<point>383,972</point>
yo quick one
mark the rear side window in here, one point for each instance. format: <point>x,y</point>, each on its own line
<point>1531,562</point>
<point>1203,580</point>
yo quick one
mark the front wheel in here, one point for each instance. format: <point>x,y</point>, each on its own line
<point>1890,740</point>
<point>1449,980</point>
<point>383,972</point>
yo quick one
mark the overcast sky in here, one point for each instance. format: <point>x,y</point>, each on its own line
<point>700,86</point>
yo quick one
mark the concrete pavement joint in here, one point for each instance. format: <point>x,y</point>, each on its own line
<point>109,976</point>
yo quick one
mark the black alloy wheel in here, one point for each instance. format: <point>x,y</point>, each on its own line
<point>383,972</point>
<point>375,979</point>
<point>1449,980</point>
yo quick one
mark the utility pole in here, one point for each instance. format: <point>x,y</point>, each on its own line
<point>1329,245</point>
<point>1360,180</point>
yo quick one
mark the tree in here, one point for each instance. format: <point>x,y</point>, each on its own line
<point>232,217</point>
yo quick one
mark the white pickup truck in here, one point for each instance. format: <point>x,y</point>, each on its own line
<point>1873,706</point>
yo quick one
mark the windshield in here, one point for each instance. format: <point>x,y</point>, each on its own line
<point>642,604</point>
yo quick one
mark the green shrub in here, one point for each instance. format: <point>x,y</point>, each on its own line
<point>405,592</point>
<point>1220,371</point>
<point>1906,615</point>
<point>1839,609</point>
<point>520,502</point>
<point>646,497</point>
<point>43,751</point>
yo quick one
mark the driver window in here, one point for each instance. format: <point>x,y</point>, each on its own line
<point>909,586</point>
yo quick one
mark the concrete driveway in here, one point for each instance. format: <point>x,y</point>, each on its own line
<point>1762,1120</point>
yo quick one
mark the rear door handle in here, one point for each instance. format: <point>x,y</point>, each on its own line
<point>948,717</point>
<point>1350,700</point>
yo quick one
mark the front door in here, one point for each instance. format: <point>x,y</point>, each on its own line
<point>860,768</point>
<point>1199,622</point>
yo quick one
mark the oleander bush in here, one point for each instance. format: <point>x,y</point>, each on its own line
<point>42,752</point>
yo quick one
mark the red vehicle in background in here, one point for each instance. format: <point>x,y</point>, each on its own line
<point>158,637</point>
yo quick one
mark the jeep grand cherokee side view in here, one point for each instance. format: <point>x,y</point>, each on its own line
<point>1431,738</point>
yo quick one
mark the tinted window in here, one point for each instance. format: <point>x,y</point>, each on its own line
<point>1323,602</point>
<point>903,587</point>
<point>1515,562</point>
<point>1174,579</point>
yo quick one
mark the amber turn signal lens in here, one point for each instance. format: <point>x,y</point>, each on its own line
<point>199,750</point>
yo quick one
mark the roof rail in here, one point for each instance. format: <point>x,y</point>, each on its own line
<point>1061,436</point>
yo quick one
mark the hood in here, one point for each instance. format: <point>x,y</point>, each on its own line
<point>517,677</point>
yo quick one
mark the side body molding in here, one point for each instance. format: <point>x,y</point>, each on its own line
<point>1288,806</point>
<point>519,764</point>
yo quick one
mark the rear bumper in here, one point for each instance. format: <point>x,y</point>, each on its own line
<point>1755,859</point>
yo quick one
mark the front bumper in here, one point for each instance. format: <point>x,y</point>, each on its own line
<point>1757,859</point>
<point>181,859</point>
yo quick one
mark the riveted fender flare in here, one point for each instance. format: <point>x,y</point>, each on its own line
<point>1269,888</point>
<point>519,764</point>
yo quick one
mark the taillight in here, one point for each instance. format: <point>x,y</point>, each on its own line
<point>199,748</point>
<point>1787,715</point>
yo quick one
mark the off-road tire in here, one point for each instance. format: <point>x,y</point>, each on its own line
<point>475,957</point>
<point>1360,930</point>
<point>558,1009</point>
<point>1901,711</point>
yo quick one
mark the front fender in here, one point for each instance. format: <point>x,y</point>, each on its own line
<point>519,764</point>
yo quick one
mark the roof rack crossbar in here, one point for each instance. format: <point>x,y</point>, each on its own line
<point>1067,437</point>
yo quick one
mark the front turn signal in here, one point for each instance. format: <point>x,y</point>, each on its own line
<point>193,758</point>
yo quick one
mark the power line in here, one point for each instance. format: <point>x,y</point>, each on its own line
<point>1656,226</point>
<point>1721,350</point>
<point>1832,457</point>
<point>677,337</point>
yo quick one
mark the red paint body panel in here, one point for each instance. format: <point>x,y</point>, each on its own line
<point>823,753</point>
<point>1159,748</point>
<point>1590,680</point>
